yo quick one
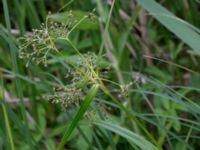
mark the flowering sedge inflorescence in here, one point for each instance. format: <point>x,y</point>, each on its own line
<point>36,46</point>
<point>81,76</point>
<point>79,82</point>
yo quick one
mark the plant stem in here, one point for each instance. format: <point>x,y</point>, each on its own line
<point>106,91</point>
<point>7,124</point>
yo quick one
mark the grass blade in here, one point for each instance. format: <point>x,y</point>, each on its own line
<point>127,134</point>
<point>131,115</point>
<point>106,30</point>
<point>78,116</point>
<point>13,50</point>
<point>179,27</point>
<point>6,119</point>
<point>32,13</point>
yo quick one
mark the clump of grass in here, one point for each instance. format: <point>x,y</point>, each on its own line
<point>170,116</point>
<point>84,76</point>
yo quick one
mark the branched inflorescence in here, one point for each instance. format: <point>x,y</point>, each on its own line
<point>67,96</point>
<point>83,72</point>
<point>78,82</point>
<point>36,46</point>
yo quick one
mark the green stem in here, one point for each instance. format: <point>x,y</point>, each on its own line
<point>13,50</point>
<point>106,91</point>
<point>105,31</point>
<point>140,124</point>
<point>88,99</point>
<point>7,124</point>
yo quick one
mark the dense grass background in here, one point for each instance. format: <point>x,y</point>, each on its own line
<point>153,44</point>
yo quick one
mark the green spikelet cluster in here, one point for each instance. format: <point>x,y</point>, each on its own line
<point>36,46</point>
<point>78,83</point>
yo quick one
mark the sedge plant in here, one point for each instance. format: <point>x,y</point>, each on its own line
<point>85,73</point>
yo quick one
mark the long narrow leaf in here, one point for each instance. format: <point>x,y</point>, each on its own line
<point>13,50</point>
<point>6,118</point>
<point>127,134</point>
<point>89,97</point>
<point>179,27</point>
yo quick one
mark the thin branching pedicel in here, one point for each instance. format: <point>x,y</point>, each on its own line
<point>82,74</point>
<point>36,46</point>
<point>73,93</point>
<point>67,97</point>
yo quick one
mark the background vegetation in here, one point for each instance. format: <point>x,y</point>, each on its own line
<point>125,77</point>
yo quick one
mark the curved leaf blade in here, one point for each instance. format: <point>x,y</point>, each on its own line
<point>88,99</point>
<point>182,29</point>
<point>127,134</point>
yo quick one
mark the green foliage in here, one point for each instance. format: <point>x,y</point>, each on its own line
<point>132,137</point>
<point>188,33</point>
<point>89,23</point>
<point>106,75</point>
